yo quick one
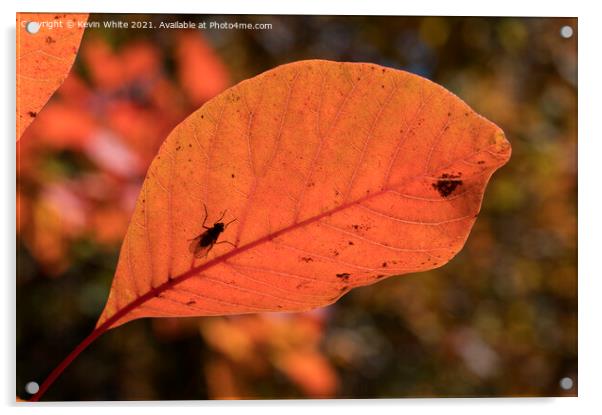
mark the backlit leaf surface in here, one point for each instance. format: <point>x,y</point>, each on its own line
<point>338,175</point>
<point>44,59</point>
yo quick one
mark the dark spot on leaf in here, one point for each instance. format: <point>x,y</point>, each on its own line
<point>344,276</point>
<point>232,175</point>
<point>449,114</point>
<point>446,184</point>
<point>189,145</point>
<point>306,259</point>
<point>178,148</point>
<point>379,276</point>
<point>33,114</point>
<point>335,252</point>
<point>384,265</point>
<point>344,288</point>
<point>50,40</point>
<point>356,227</point>
<point>351,243</point>
<point>191,302</point>
<point>481,162</point>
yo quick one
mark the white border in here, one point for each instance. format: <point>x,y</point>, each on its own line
<point>590,240</point>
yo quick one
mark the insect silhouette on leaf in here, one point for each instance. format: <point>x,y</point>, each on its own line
<point>202,244</point>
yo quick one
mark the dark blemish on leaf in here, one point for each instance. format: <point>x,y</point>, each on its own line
<point>344,289</point>
<point>481,162</point>
<point>335,252</point>
<point>302,284</point>
<point>351,243</point>
<point>306,259</point>
<point>189,145</point>
<point>466,114</point>
<point>356,227</point>
<point>191,302</point>
<point>202,116</point>
<point>50,40</point>
<point>382,86</point>
<point>449,114</point>
<point>384,265</point>
<point>232,175</point>
<point>384,70</point>
<point>344,276</point>
<point>189,159</point>
<point>33,114</point>
<point>178,148</point>
<point>379,276</point>
<point>446,184</point>
<point>279,306</point>
<point>312,184</point>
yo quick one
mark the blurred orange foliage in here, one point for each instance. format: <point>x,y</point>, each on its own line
<point>248,348</point>
<point>81,164</point>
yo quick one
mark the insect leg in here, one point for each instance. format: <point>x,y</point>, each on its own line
<point>226,225</point>
<point>225,242</point>
<point>222,216</point>
<point>205,220</point>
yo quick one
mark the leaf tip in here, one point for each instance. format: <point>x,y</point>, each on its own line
<point>501,145</point>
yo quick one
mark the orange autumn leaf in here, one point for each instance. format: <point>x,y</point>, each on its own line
<point>331,176</point>
<point>44,58</point>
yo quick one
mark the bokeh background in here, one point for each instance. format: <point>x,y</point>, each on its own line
<point>498,320</point>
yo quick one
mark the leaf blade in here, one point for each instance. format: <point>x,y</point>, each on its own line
<point>44,59</point>
<point>338,174</point>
